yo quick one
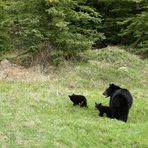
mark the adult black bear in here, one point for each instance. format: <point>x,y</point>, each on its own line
<point>78,100</point>
<point>120,101</point>
<point>103,109</point>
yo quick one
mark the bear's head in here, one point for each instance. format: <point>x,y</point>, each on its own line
<point>110,90</point>
<point>72,97</point>
<point>98,105</point>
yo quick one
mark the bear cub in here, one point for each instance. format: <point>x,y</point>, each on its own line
<point>103,109</point>
<point>78,100</point>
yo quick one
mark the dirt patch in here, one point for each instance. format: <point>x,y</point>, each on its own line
<point>9,70</point>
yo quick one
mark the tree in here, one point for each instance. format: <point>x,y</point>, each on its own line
<point>136,28</point>
<point>22,24</point>
<point>73,25</point>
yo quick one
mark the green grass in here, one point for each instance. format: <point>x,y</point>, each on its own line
<point>40,114</point>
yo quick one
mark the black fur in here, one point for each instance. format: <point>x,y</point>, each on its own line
<point>120,101</point>
<point>78,100</point>
<point>103,109</point>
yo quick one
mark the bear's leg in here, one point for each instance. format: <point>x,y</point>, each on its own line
<point>83,104</point>
<point>124,115</point>
<point>115,112</point>
<point>109,115</point>
<point>101,114</point>
<point>86,104</point>
<point>123,118</point>
<point>74,104</point>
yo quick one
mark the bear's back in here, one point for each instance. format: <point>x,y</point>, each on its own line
<point>124,95</point>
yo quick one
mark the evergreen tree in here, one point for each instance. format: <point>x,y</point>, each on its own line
<point>136,28</point>
<point>73,25</point>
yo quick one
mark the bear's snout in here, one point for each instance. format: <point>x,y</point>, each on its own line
<point>105,94</point>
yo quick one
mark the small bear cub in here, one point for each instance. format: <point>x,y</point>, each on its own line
<point>78,100</point>
<point>103,109</point>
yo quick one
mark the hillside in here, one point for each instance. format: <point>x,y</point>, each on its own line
<point>35,110</point>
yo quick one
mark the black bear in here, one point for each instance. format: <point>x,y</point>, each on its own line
<point>103,109</point>
<point>120,101</point>
<point>78,100</point>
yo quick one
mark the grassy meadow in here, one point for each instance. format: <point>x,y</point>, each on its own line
<point>38,113</point>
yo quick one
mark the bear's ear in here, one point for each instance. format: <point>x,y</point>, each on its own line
<point>111,84</point>
<point>100,103</point>
<point>95,103</point>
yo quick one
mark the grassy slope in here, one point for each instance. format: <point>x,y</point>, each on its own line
<point>39,114</point>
